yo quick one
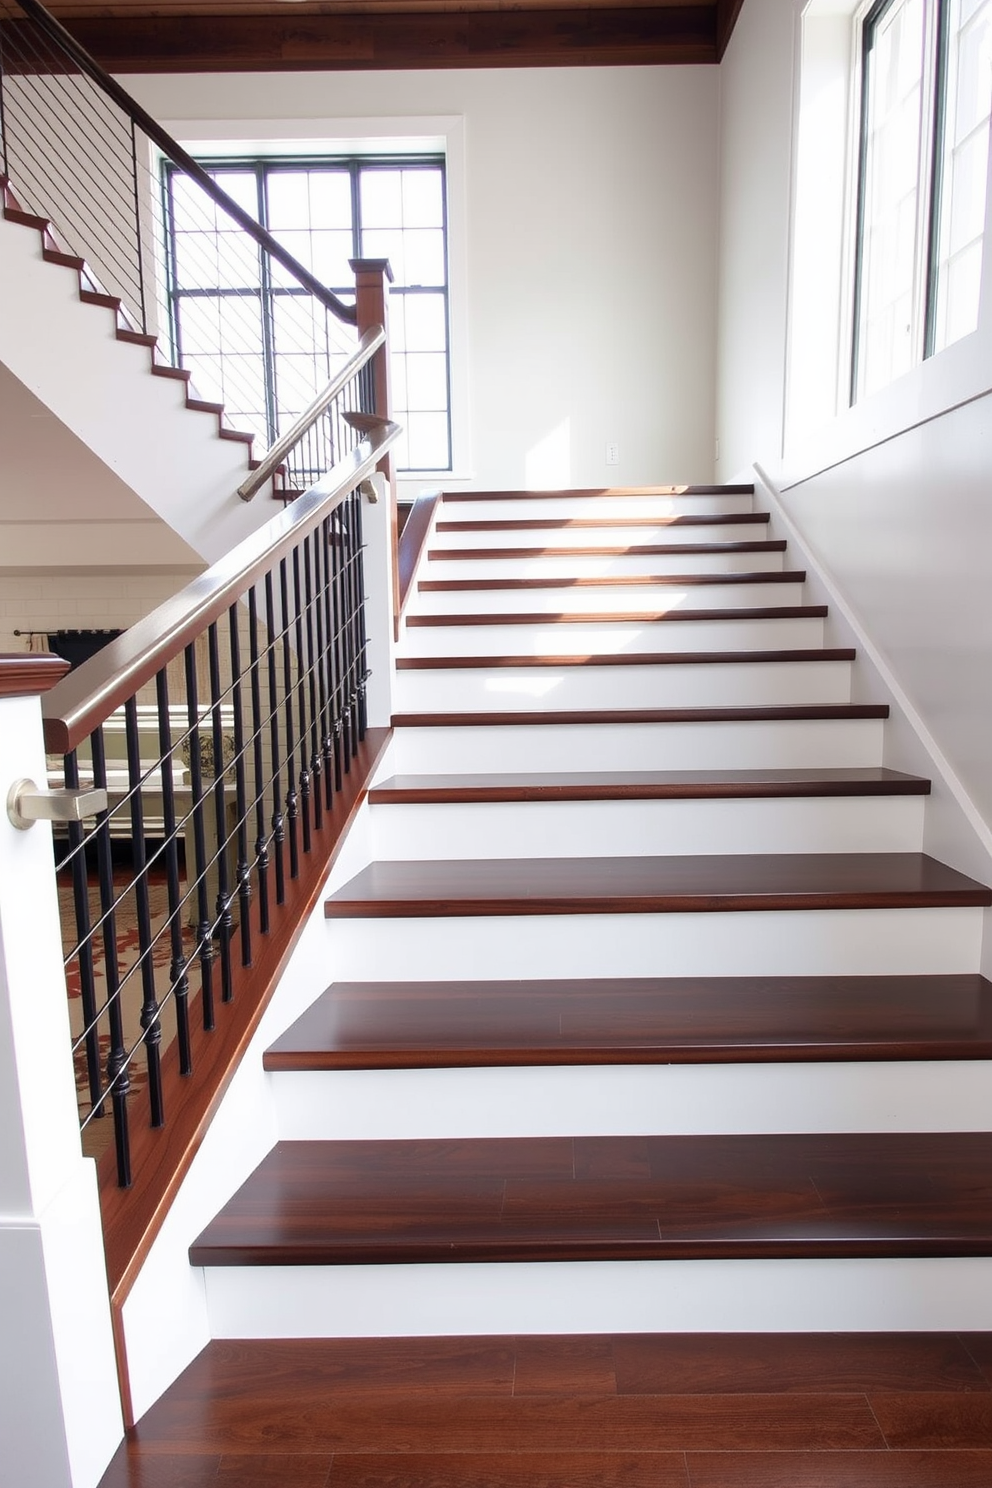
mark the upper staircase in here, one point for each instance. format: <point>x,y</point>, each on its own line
<point>658,973</point>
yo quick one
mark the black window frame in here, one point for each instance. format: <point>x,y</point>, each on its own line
<point>263,167</point>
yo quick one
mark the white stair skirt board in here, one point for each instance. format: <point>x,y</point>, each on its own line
<point>869,942</point>
<point>595,599</point>
<point>811,743</point>
<point>574,829</point>
<point>573,565</point>
<point>669,685</point>
<point>595,1100</point>
<point>494,509</point>
<point>594,537</point>
<point>719,1296</point>
<point>618,637</point>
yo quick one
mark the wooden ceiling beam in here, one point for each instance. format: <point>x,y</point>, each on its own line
<point>508,38</point>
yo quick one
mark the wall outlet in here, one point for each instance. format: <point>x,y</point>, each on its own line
<point>613,454</point>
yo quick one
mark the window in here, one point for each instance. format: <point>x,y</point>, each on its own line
<point>926,86</point>
<point>246,332</point>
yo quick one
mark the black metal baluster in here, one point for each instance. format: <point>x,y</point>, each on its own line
<point>223,919</point>
<point>203,926</point>
<point>364,674</point>
<point>258,761</point>
<point>341,637</point>
<point>137,225</point>
<point>278,825</point>
<point>150,1023</point>
<point>287,677</point>
<point>84,944</point>
<point>313,663</point>
<point>330,622</point>
<point>240,789</point>
<point>348,627</point>
<point>178,974</point>
<point>301,701</point>
<point>322,794</point>
<point>118,1079</point>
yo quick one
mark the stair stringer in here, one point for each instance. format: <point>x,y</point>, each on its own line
<point>67,354</point>
<point>165,1318</point>
<point>954,829</point>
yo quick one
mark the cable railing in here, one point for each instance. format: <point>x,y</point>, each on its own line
<point>222,728</point>
<point>81,153</point>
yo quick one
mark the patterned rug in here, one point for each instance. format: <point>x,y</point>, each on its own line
<point>98,1132</point>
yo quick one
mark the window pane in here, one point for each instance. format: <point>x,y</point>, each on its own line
<point>423,205</point>
<point>964,171</point>
<point>381,195</point>
<point>889,335</point>
<point>288,198</point>
<point>427,436</point>
<point>424,321</point>
<point>427,381</point>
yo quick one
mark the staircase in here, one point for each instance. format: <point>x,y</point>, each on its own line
<point>648,1012</point>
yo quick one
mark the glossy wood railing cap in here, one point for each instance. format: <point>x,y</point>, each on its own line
<point>28,674</point>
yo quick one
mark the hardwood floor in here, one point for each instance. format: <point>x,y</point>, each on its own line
<point>602,1411</point>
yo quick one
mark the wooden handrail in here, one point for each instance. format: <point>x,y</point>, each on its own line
<point>174,150</point>
<point>86,697</point>
<point>413,541</point>
<point>371,340</point>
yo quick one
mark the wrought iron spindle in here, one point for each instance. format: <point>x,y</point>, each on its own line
<point>223,920</point>
<point>178,965</point>
<point>151,1025</point>
<point>333,660</point>
<point>258,761</point>
<point>243,871</point>
<point>292,804</point>
<point>301,700</point>
<point>203,925</point>
<point>313,668</point>
<point>358,560</point>
<point>118,1078</point>
<point>278,821</point>
<point>84,944</point>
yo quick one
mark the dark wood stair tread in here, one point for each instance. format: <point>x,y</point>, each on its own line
<point>770,713</point>
<point>538,524</point>
<point>563,581</point>
<point>804,654</point>
<point>609,1198</point>
<point>678,1020</point>
<point>584,492</point>
<point>656,885</point>
<point>625,617</point>
<point>631,550</point>
<point>647,785</point>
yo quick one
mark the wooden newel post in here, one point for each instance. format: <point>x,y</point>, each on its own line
<point>372,279</point>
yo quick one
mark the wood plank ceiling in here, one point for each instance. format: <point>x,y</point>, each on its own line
<point>351,35</point>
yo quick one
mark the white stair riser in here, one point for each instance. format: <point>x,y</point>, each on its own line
<point>496,510</point>
<point>720,1296</point>
<point>579,829</point>
<point>623,638</point>
<point>599,599</point>
<point>585,537</point>
<point>805,743</point>
<point>682,685</point>
<point>602,565</point>
<point>866,942</point>
<point>632,1100</point>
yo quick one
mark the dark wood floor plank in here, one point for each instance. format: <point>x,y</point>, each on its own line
<point>666,1020</point>
<point>589,1198</point>
<point>770,713</point>
<point>646,785</point>
<point>914,1422</point>
<point>712,1363</point>
<point>582,492</point>
<point>979,1346</point>
<point>622,617</point>
<point>612,581</point>
<point>134,1467</point>
<point>567,1365</point>
<point>537,524</point>
<point>808,655</point>
<point>602,550</point>
<point>687,884</point>
<point>511,1470</point>
<point>394,1422</point>
<point>952,1469</point>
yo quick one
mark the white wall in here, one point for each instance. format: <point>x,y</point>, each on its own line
<point>584,211</point>
<point>894,497</point>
